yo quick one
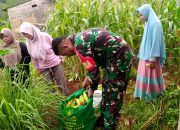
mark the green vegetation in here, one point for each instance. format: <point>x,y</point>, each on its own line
<point>32,106</point>
<point>71,16</point>
<point>119,16</point>
<point>4,4</point>
<point>159,114</point>
<point>27,106</point>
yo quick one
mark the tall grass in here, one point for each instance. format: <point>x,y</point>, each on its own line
<point>119,16</point>
<point>163,112</point>
<point>24,108</point>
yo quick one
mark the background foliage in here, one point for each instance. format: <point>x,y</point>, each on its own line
<point>120,16</point>
<point>4,5</point>
<point>34,107</point>
<point>70,16</point>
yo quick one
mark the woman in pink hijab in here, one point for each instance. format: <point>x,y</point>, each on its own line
<point>40,49</point>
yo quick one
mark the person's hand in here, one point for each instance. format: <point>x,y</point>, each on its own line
<point>90,92</point>
<point>150,64</point>
<point>86,82</point>
<point>61,59</point>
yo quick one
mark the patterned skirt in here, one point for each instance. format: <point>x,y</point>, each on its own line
<point>149,82</point>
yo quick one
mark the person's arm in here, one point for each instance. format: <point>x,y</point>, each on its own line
<point>157,50</point>
<point>1,63</point>
<point>49,40</point>
<point>93,76</point>
<point>84,52</point>
<point>92,69</point>
<point>61,59</point>
<point>26,59</point>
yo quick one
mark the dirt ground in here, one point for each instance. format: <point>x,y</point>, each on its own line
<point>73,86</point>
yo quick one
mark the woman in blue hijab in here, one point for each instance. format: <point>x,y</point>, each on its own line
<point>149,81</point>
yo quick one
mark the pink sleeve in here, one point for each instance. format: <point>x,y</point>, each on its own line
<point>47,38</point>
<point>47,41</point>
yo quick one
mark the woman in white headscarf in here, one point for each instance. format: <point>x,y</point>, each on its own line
<point>18,54</point>
<point>40,49</point>
<point>149,81</point>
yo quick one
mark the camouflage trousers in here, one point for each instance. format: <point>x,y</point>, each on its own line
<point>112,101</point>
<point>114,85</point>
<point>110,107</point>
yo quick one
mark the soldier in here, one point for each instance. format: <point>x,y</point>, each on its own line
<point>101,48</point>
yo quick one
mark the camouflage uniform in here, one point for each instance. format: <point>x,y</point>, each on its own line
<point>101,48</point>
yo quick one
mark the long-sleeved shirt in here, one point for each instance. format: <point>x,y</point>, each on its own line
<point>94,47</point>
<point>51,59</point>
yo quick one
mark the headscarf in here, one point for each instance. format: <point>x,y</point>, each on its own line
<point>14,57</point>
<point>152,44</point>
<point>37,46</point>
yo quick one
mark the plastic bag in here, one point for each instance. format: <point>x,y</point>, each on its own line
<point>77,118</point>
<point>97,97</point>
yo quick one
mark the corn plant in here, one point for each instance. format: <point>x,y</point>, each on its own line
<point>119,16</point>
<point>74,69</point>
<point>70,16</point>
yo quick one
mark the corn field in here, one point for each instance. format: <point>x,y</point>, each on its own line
<point>31,105</point>
<point>119,16</point>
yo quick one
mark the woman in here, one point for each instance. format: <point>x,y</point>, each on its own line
<point>40,49</point>
<point>149,81</point>
<point>18,56</point>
